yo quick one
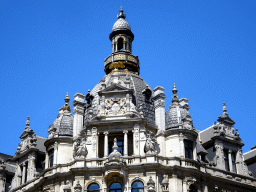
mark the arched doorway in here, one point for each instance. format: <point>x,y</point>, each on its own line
<point>115,187</point>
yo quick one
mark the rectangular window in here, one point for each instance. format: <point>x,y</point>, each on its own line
<point>120,145</point>
<point>226,159</point>
<point>188,149</point>
<point>120,142</point>
<point>233,158</point>
<point>51,157</point>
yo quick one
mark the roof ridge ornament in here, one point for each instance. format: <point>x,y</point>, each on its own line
<point>121,14</point>
<point>28,121</point>
<point>175,99</point>
<point>66,106</point>
<point>224,109</point>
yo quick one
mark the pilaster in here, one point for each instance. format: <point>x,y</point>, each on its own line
<point>78,113</point>
<point>31,166</point>
<point>159,104</point>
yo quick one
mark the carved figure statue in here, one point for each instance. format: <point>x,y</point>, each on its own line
<point>80,150</point>
<point>188,123</point>
<point>150,145</point>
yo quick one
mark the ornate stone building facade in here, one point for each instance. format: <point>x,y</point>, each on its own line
<point>120,138</point>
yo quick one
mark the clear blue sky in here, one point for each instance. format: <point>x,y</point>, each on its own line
<point>48,48</point>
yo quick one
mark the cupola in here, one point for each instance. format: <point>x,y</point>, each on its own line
<point>121,39</point>
<point>63,125</point>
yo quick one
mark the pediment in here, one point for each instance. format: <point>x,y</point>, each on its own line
<point>226,119</point>
<point>115,88</point>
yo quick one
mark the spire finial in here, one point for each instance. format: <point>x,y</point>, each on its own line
<point>224,109</point>
<point>175,97</point>
<point>66,106</point>
<point>28,122</point>
<point>121,13</point>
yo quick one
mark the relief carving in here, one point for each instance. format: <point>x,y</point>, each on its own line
<point>136,136</point>
<point>115,106</point>
<point>80,150</point>
<point>150,145</point>
<point>94,138</point>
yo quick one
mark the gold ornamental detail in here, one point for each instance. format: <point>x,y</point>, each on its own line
<point>108,60</point>
<point>117,65</point>
<point>119,57</point>
<point>131,58</point>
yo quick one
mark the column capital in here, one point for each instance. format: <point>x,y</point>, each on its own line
<point>125,131</point>
<point>105,132</point>
<point>230,151</point>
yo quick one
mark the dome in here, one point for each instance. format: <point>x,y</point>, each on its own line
<point>178,113</point>
<point>63,125</point>
<point>121,23</point>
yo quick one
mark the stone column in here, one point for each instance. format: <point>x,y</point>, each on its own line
<point>230,160</point>
<point>184,185</point>
<point>159,103</point>
<point>204,185</point>
<point>174,183</point>
<point>46,162</point>
<point>23,172</point>
<point>106,144</point>
<point>55,153</point>
<point>78,104</point>
<point>125,143</point>
<point>194,151</point>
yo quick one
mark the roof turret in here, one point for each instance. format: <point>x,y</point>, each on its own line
<point>63,125</point>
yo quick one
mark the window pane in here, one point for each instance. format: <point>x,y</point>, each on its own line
<point>116,186</point>
<point>137,184</point>
<point>93,187</point>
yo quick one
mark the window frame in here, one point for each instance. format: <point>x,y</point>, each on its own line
<point>188,149</point>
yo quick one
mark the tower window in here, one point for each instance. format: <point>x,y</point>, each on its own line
<point>51,156</point>
<point>120,44</point>
<point>188,149</point>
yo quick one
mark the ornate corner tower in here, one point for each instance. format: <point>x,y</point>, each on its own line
<point>121,39</point>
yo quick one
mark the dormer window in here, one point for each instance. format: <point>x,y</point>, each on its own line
<point>226,160</point>
<point>233,159</point>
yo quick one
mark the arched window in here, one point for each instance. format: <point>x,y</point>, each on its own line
<point>120,44</point>
<point>93,188</point>
<point>137,186</point>
<point>192,188</point>
<point>115,187</point>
